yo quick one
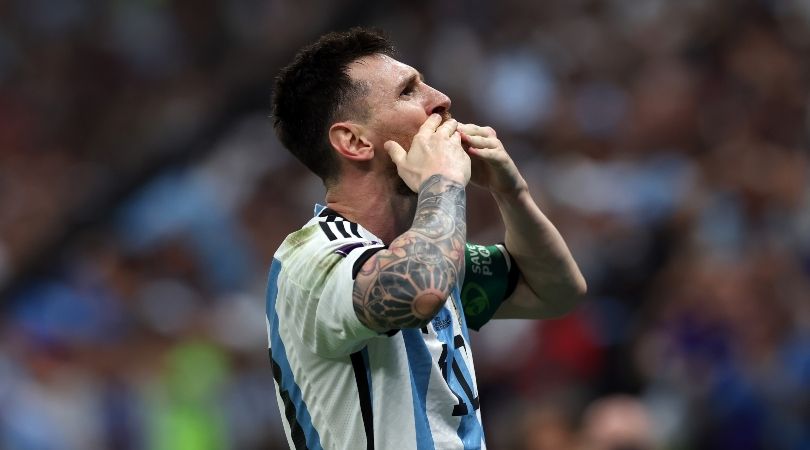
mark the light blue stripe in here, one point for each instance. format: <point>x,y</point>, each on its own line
<point>421,364</point>
<point>279,355</point>
<point>446,335</point>
<point>456,297</point>
<point>317,209</point>
<point>470,430</point>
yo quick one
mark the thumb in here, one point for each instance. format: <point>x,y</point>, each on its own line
<point>395,151</point>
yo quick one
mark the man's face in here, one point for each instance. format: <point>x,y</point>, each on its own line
<point>398,99</point>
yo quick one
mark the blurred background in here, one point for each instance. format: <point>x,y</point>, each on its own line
<point>143,193</point>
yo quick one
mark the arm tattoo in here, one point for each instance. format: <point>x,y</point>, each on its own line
<point>428,259</point>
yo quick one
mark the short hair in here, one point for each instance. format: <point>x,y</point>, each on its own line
<point>315,90</point>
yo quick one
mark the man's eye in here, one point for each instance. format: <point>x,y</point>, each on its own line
<point>407,91</point>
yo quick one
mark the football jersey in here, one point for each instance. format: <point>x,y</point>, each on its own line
<point>341,385</point>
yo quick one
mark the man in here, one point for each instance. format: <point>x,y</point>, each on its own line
<point>367,332</point>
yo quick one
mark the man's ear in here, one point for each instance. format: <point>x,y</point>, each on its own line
<point>349,140</point>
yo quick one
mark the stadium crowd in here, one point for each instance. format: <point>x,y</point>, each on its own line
<point>668,141</point>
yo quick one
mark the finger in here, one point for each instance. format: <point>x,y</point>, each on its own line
<point>456,137</point>
<point>465,139</point>
<point>395,151</point>
<point>475,130</point>
<point>484,153</point>
<point>430,125</point>
<point>468,128</point>
<point>448,128</point>
<point>481,141</point>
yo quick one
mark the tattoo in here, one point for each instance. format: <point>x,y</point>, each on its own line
<point>426,260</point>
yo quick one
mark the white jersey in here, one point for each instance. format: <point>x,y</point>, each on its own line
<point>341,385</point>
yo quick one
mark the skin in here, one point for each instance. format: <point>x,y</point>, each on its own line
<point>405,285</point>
<point>550,284</point>
<point>398,104</point>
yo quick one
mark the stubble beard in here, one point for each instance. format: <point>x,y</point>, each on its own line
<point>401,189</point>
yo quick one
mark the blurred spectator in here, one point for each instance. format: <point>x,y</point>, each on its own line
<point>617,423</point>
<point>142,194</point>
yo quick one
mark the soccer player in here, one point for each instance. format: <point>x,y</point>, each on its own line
<point>369,303</point>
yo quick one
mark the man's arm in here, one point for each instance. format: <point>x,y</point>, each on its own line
<point>550,283</point>
<point>405,285</point>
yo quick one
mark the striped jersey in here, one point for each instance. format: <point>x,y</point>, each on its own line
<point>341,385</point>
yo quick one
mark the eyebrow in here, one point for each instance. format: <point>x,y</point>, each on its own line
<point>411,79</point>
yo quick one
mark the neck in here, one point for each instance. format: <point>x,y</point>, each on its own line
<point>375,202</point>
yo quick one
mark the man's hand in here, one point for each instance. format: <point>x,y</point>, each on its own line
<point>550,283</point>
<point>492,168</point>
<point>436,150</point>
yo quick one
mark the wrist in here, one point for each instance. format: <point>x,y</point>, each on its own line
<point>516,193</point>
<point>442,178</point>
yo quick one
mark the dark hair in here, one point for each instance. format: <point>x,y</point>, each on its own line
<point>315,91</point>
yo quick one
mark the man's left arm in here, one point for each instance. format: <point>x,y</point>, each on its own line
<point>550,282</point>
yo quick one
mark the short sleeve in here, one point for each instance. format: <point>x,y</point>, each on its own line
<point>315,289</point>
<point>337,329</point>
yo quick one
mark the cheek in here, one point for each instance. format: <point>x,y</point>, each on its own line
<point>410,123</point>
<point>400,124</point>
<point>401,130</point>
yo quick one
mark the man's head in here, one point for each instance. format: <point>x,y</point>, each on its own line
<point>316,90</point>
<point>345,95</point>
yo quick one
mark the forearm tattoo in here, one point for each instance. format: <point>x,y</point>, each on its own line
<point>428,259</point>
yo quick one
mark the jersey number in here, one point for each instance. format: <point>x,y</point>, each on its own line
<point>461,408</point>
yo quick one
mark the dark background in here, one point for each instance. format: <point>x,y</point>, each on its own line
<point>143,193</point>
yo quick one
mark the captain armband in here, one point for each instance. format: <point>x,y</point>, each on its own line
<point>490,277</point>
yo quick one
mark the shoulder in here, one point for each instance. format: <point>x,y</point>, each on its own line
<point>322,243</point>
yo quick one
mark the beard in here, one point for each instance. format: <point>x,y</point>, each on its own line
<point>445,115</point>
<point>400,188</point>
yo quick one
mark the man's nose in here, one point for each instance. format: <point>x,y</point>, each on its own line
<point>439,103</point>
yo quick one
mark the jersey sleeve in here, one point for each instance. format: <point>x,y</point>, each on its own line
<point>490,277</point>
<point>324,315</point>
<point>338,330</point>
